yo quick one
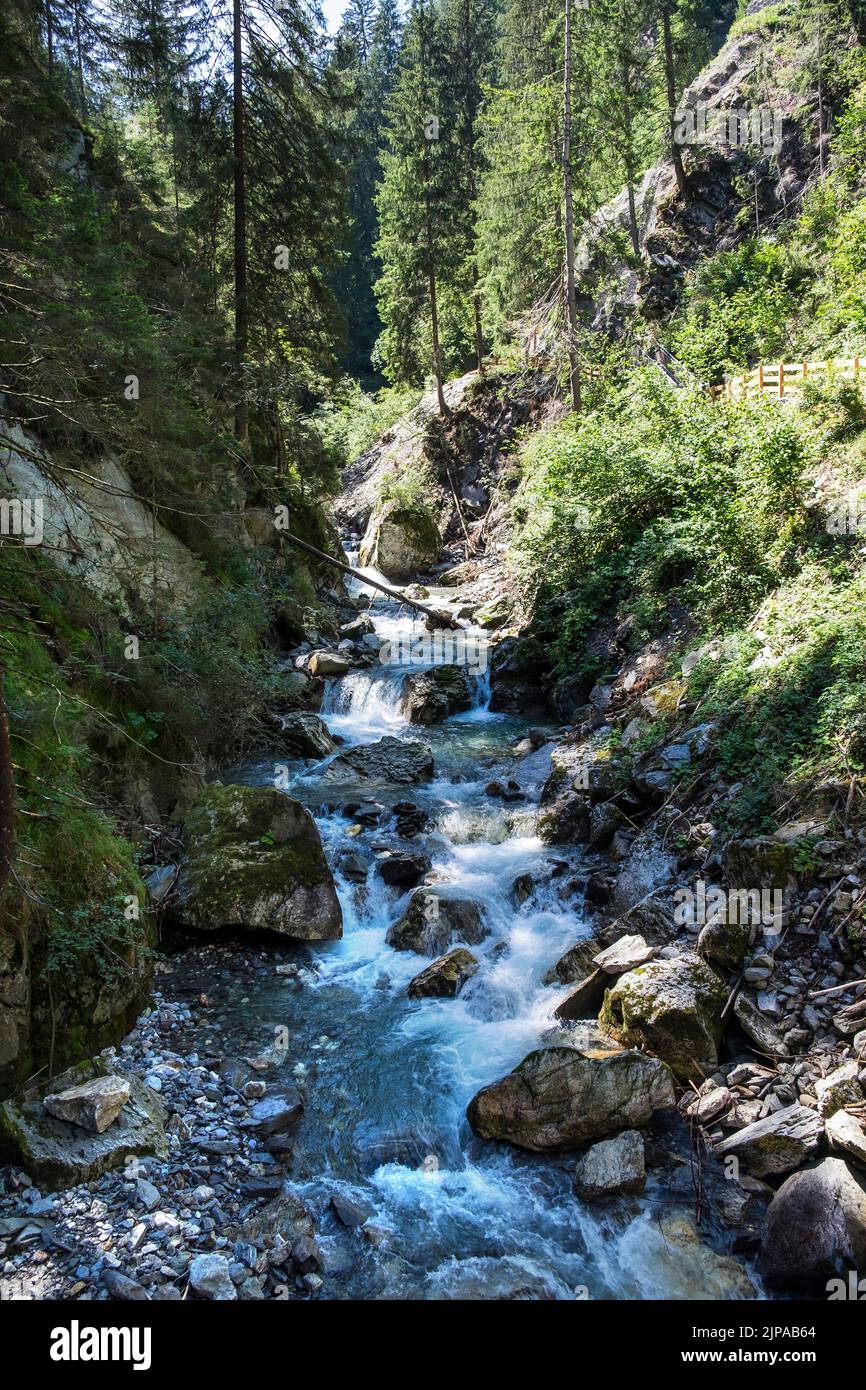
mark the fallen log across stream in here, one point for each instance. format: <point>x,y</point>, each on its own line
<point>443,619</point>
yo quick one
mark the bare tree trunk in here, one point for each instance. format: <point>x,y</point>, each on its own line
<point>240,223</point>
<point>430,242</point>
<point>7,792</point>
<point>676,153</point>
<point>570,298</point>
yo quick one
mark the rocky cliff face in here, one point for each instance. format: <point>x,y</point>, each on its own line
<point>750,151</point>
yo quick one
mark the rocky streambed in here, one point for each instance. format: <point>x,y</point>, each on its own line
<point>435,1063</point>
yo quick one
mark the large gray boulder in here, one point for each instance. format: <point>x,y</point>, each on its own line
<point>428,697</point>
<point>815,1228</point>
<point>400,540</point>
<point>434,921</point>
<point>254,859</point>
<point>560,1098</point>
<point>59,1153</point>
<point>673,1008</point>
<point>575,965</point>
<point>387,760</point>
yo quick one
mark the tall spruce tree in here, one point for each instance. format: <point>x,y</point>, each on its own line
<point>418,203</point>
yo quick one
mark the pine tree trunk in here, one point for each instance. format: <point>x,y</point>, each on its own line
<point>434,313</point>
<point>79,61</point>
<point>479,331</point>
<point>7,792</point>
<point>570,298</point>
<point>676,153</point>
<point>240,223</point>
<point>49,36</point>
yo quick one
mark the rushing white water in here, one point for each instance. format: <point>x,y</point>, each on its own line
<point>390,1077</point>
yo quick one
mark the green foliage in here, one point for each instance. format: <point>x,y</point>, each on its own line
<point>654,496</point>
<point>354,419</point>
<point>739,309</point>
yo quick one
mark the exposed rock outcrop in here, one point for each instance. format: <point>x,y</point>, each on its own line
<point>59,1153</point>
<point>430,696</point>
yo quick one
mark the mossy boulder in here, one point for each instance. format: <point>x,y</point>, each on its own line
<point>254,859</point>
<point>428,697</point>
<point>400,540</point>
<point>759,862</point>
<point>56,1153</point>
<point>673,1009</point>
<point>305,735</point>
<point>561,1097</point>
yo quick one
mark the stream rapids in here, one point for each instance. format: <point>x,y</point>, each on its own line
<point>388,1078</point>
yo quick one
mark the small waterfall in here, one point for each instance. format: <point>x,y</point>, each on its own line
<point>364,704</point>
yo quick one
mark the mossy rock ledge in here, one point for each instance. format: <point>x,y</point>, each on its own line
<point>57,1153</point>
<point>254,859</point>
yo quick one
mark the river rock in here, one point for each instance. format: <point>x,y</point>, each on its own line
<point>387,760</point>
<point>428,697</point>
<point>93,1105</point>
<point>697,1265</point>
<point>404,869</point>
<point>840,1088</point>
<point>575,965</point>
<point>445,978</point>
<point>400,540</point>
<point>305,735</point>
<point>815,1228</point>
<point>209,1277</point>
<point>276,1113</point>
<point>725,943</point>
<point>324,663</point>
<point>433,921</point>
<point>673,1008</point>
<point>758,1028</point>
<point>625,954</point>
<point>585,1000</point>
<point>846,1132</point>
<point>254,859</point>
<point>57,1153</point>
<point>612,1167</point>
<point>565,820</point>
<point>560,1098</point>
<point>779,1142</point>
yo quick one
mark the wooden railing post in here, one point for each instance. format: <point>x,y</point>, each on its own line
<point>781,380</point>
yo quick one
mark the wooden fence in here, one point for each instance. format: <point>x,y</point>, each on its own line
<point>784,380</point>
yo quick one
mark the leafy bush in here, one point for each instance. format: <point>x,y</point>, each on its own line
<point>659,494</point>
